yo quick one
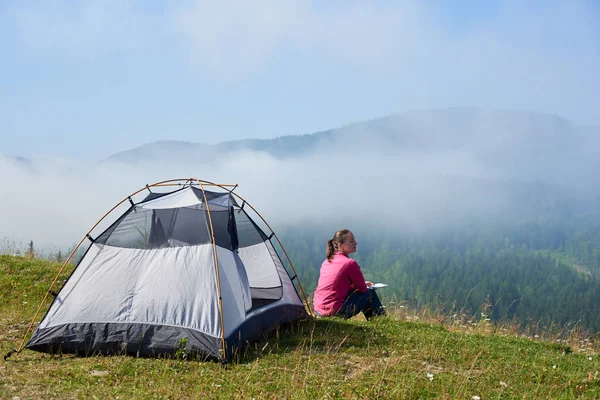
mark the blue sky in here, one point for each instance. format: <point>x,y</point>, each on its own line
<point>85,79</point>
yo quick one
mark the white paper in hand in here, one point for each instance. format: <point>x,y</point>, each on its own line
<point>378,285</point>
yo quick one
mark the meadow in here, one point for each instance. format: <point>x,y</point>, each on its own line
<point>408,354</point>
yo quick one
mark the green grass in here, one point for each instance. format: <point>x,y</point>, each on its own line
<point>388,357</point>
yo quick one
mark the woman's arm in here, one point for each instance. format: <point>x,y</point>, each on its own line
<point>356,276</point>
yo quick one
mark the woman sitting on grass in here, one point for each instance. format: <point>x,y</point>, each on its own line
<point>342,290</point>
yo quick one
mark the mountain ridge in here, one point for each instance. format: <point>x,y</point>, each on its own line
<point>502,143</point>
<point>381,126</point>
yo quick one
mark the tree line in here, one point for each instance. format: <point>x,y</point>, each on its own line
<point>542,271</point>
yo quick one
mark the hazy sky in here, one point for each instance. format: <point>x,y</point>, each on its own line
<point>85,79</point>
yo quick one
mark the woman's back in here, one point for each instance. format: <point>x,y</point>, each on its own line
<point>337,279</point>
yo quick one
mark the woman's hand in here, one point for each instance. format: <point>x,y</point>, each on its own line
<point>369,283</point>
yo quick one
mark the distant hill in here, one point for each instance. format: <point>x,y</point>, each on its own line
<point>507,144</point>
<point>172,150</point>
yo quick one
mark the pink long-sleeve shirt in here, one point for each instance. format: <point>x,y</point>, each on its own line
<point>338,278</point>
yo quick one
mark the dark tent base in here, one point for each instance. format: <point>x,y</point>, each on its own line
<point>145,340</point>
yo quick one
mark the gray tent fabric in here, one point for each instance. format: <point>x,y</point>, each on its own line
<point>151,283</point>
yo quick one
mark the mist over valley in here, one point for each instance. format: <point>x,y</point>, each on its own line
<point>458,205</point>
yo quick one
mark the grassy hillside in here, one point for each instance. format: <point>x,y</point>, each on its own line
<point>400,356</point>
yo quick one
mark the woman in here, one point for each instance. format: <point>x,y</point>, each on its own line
<point>342,290</point>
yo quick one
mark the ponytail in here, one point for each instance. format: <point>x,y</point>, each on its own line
<point>331,246</point>
<point>329,250</point>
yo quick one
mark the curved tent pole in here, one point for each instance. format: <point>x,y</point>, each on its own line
<point>214,243</point>
<point>67,262</point>
<point>161,183</point>
<point>169,182</point>
<point>274,235</point>
<point>284,252</point>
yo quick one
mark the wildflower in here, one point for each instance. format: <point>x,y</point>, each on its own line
<point>475,398</point>
<point>536,336</point>
<point>429,376</point>
<point>503,384</point>
<point>590,358</point>
<point>554,367</point>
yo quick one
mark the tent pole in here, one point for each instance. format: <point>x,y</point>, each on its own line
<point>67,262</point>
<point>284,252</point>
<point>214,243</point>
<point>170,182</point>
<point>162,183</point>
<point>278,241</point>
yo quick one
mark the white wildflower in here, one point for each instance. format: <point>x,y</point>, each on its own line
<point>536,336</point>
<point>475,398</point>
<point>590,358</point>
<point>429,376</point>
<point>554,367</point>
<point>503,384</point>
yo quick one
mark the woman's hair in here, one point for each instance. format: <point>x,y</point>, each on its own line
<point>332,244</point>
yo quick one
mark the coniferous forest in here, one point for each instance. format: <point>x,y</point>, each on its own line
<point>540,271</point>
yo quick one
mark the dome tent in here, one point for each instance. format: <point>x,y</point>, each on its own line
<point>180,267</point>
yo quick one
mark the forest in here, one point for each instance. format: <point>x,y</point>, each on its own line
<point>540,271</point>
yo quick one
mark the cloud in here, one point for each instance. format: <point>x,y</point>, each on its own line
<point>405,55</point>
<point>533,58</point>
<point>84,30</point>
<point>55,204</point>
<point>232,36</point>
<point>439,171</point>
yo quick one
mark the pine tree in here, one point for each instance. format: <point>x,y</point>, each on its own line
<point>30,250</point>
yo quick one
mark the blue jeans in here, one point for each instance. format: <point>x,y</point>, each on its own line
<point>367,302</point>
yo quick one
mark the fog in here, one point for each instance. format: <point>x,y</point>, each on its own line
<point>361,175</point>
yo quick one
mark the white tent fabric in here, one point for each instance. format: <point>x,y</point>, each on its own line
<point>258,260</point>
<point>157,287</point>
<point>152,279</point>
<point>183,198</point>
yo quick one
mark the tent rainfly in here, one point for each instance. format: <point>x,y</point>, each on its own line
<point>186,267</point>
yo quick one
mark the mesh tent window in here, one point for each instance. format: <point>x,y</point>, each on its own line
<point>151,228</point>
